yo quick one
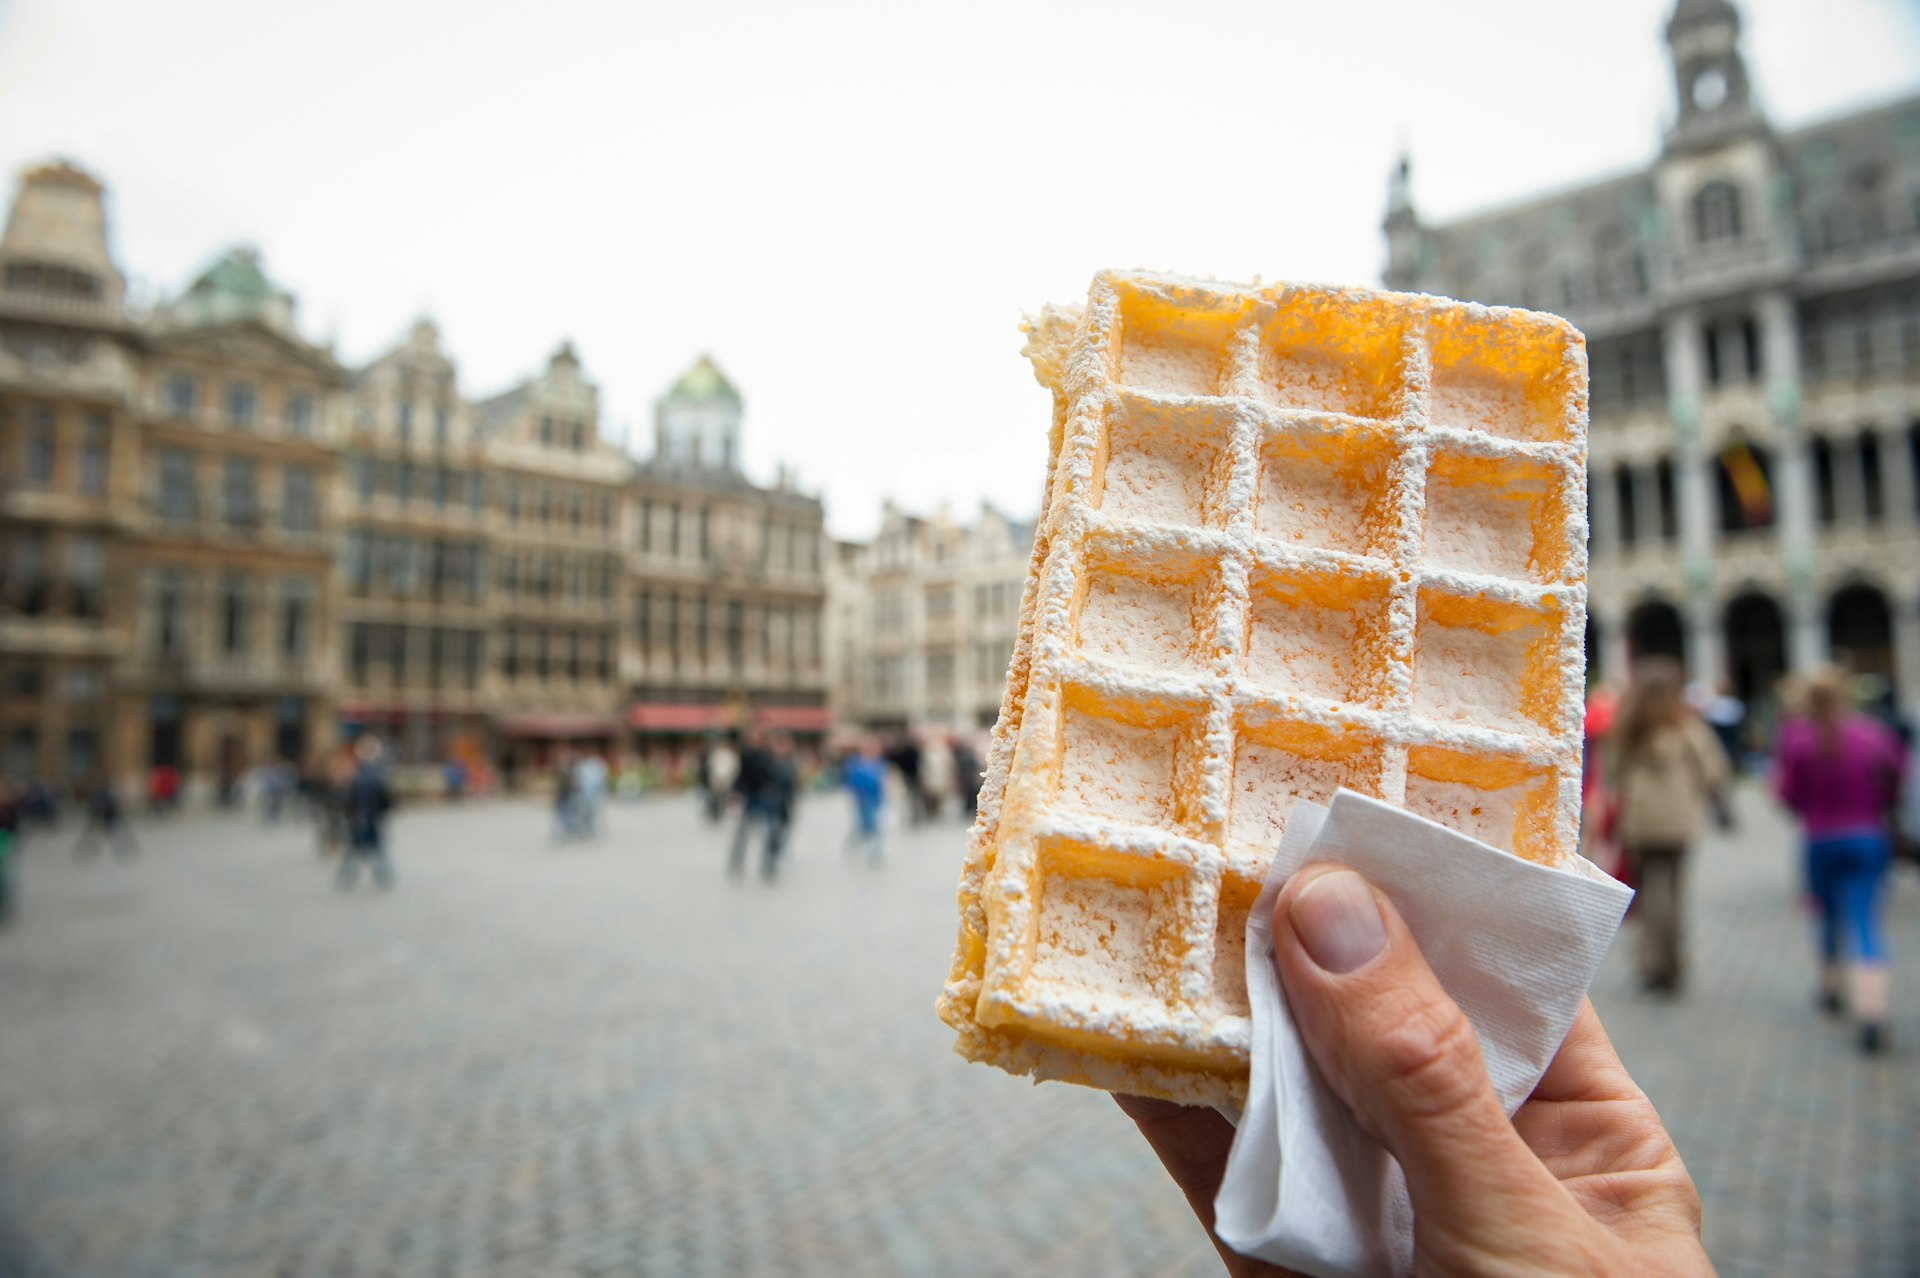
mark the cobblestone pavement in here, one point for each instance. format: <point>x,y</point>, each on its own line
<point>608,1059</point>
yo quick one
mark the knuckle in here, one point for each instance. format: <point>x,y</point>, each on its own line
<point>1427,1059</point>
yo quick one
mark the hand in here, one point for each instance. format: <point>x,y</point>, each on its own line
<point>1582,1180</point>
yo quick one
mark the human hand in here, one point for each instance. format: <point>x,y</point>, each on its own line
<point>1582,1180</point>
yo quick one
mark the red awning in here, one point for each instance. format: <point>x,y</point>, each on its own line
<point>793,718</point>
<point>667,717</point>
<point>559,727</point>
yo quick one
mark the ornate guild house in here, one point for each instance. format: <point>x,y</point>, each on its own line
<point>1752,309</point>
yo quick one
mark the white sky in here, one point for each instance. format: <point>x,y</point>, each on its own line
<point>849,205</point>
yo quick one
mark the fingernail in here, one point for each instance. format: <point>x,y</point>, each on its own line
<point>1338,922</point>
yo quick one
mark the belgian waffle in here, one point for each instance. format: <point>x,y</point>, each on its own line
<point>1293,539</point>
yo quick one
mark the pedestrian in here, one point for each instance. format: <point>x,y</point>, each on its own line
<point>368,800</point>
<point>905,757</point>
<point>719,769</point>
<point>590,793</point>
<point>864,774</point>
<point>566,821</point>
<point>9,845</point>
<point>163,788</point>
<point>1668,771</point>
<point>936,775</point>
<point>966,776</point>
<point>765,786</point>
<point>1840,772</point>
<point>106,823</point>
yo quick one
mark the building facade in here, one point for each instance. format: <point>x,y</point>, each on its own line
<point>924,619</point>
<point>220,548</point>
<point>69,478</point>
<point>727,583</point>
<point>1751,302</point>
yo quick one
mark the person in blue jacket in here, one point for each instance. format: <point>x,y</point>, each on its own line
<point>865,776</point>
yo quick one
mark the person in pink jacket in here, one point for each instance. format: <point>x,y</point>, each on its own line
<point>1840,773</point>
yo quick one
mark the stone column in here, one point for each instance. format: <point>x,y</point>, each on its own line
<point>1647,531</point>
<point>1603,513</point>
<point>1610,636</point>
<point>1896,475</point>
<point>1682,340</point>
<point>1797,524</point>
<point>1905,606</point>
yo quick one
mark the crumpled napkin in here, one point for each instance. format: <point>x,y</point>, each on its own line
<point>1516,944</point>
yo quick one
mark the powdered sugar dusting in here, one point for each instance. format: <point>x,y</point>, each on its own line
<point>1490,816</point>
<point>1137,622</point>
<point>1116,770</point>
<point>1203,647</point>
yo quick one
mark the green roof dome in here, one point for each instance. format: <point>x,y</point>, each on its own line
<point>704,381</point>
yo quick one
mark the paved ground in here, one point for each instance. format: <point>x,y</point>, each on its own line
<point>609,1060</point>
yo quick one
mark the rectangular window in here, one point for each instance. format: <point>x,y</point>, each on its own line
<point>939,603</point>
<point>358,561</point>
<point>239,494</point>
<point>179,504</point>
<point>233,617</point>
<point>470,661</point>
<point>39,468</point>
<point>646,527</point>
<point>673,529</point>
<point>575,513</point>
<point>170,614</point>
<point>510,654</point>
<point>440,427</point>
<point>359,650</point>
<point>242,404</point>
<point>30,586</point>
<point>513,500</point>
<point>442,487</point>
<point>476,493</point>
<point>406,423</point>
<point>182,391</point>
<point>704,548</point>
<point>88,564</point>
<point>363,477</point>
<point>299,508</point>
<point>300,415</point>
<point>94,446</point>
<point>403,483</point>
<point>296,617</point>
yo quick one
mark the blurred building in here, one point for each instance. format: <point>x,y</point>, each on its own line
<point>728,582</point>
<point>233,658</point>
<point>1752,308</point>
<point>924,619</point>
<point>220,548</point>
<point>416,606</point>
<point>70,477</point>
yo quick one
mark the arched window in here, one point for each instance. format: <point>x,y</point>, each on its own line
<point>1745,487</point>
<point>1716,213</point>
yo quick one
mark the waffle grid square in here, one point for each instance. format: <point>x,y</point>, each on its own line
<point>1293,539</point>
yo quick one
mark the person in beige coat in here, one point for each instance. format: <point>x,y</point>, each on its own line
<point>1668,774</point>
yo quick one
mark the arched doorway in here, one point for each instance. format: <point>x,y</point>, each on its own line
<point>1654,630</point>
<point>1860,629</point>
<point>1756,645</point>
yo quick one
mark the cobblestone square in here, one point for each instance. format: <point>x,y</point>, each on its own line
<point>609,1059</point>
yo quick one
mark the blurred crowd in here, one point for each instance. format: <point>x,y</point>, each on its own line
<point>1661,758</point>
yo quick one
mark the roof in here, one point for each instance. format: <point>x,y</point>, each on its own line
<point>704,381</point>
<point>237,273</point>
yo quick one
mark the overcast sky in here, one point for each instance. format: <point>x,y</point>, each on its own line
<point>849,205</point>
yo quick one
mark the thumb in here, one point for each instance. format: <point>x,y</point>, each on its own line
<point>1403,1056</point>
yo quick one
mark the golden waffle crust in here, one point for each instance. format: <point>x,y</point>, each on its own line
<point>1293,538</point>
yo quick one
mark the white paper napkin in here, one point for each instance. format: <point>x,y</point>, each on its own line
<point>1516,944</point>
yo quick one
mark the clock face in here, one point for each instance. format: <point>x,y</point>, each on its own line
<point>1709,88</point>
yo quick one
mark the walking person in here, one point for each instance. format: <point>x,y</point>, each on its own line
<point>766,786</point>
<point>1668,771</point>
<point>719,770</point>
<point>1840,772</point>
<point>865,776</point>
<point>566,792</point>
<point>368,800</point>
<point>590,793</point>
<point>106,823</point>
<point>905,756</point>
<point>966,777</point>
<point>9,845</point>
<point>936,775</point>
